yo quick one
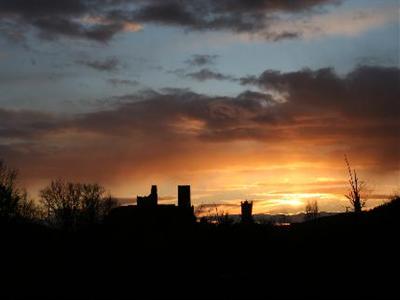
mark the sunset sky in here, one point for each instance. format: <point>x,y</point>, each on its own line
<point>241,99</point>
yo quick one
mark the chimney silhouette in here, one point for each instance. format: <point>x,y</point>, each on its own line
<point>247,211</point>
<point>184,196</point>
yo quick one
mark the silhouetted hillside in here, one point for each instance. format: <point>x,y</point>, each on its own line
<point>390,208</point>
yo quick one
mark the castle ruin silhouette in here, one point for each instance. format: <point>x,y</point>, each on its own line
<point>148,211</point>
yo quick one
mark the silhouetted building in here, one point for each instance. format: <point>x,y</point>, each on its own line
<point>247,211</point>
<point>184,196</point>
<point>150,200</point>
<point>149,212</point>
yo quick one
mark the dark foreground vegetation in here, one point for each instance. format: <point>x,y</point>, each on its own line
<point>72,249</point>
<point>345,256</point>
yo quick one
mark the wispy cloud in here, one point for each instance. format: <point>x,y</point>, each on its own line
<point>109,64</point>
<point>200,60</point>
<point>344,23</point>
<point>119,82</point>
<point>207,74</point>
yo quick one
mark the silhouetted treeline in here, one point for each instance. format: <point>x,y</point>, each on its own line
<point>66,205</point>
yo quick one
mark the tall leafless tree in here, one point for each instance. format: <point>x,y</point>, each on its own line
<point>356,188</point>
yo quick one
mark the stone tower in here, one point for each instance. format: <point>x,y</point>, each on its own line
<point>247,211</point>
<point>184,196</point>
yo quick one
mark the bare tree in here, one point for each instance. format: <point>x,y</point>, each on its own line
<point>14,202</point>
<point>61,201</point>
<point>312,210</point>
<point>91,202</point>
<point>108,203</point>
<point>355,190</point>
<point>10,195</point>
<point>28,209</point>
<point>210,213</point>
<point>70,204</point>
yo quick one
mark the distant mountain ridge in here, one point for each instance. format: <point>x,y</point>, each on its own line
<point>281,218</point>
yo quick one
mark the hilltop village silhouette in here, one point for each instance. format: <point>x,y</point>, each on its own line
<point>148,210</point>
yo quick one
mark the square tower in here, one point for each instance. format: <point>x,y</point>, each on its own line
<point>184,196</point>
<point>247,211</point>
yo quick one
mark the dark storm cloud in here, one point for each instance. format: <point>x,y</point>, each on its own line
<point>109,64</point>
<point>316,109</point>
<point>100,20</point>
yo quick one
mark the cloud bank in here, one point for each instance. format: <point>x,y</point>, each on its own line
<point>320,117</point>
